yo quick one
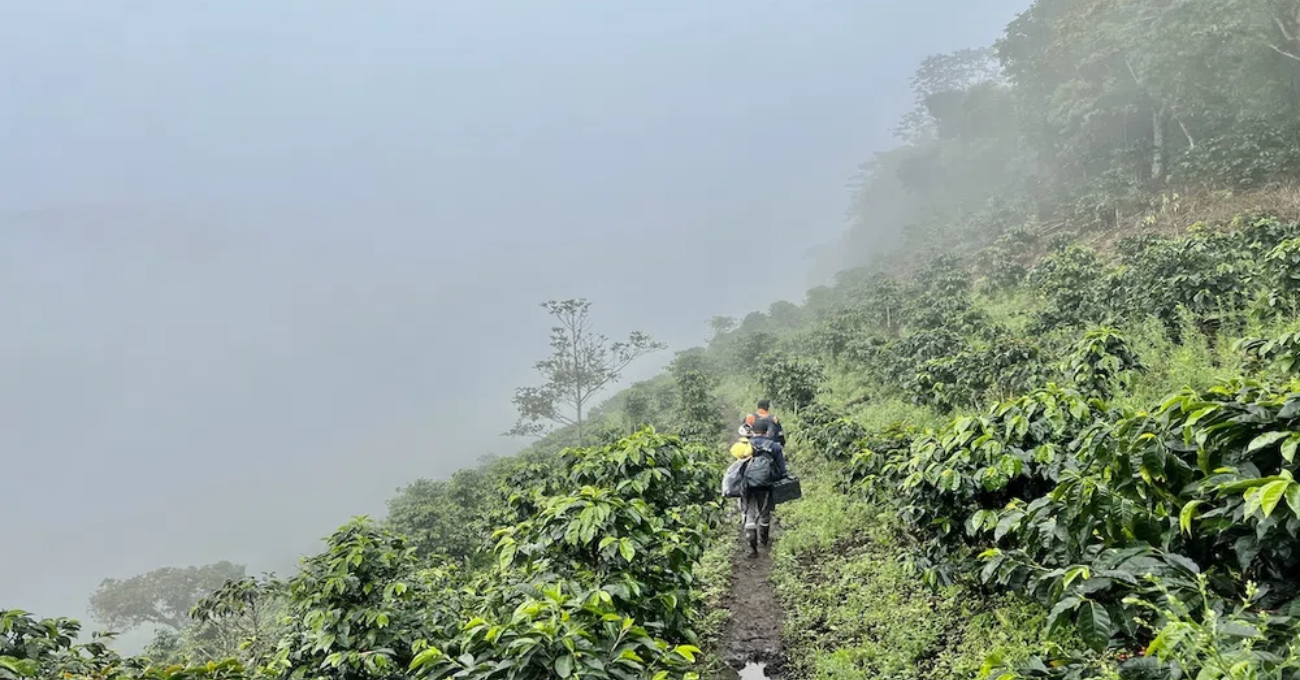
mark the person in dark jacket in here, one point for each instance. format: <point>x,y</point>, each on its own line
<point>758,499</point>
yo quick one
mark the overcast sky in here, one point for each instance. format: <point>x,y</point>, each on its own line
<point>262,262</point>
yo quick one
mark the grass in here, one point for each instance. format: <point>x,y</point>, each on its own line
<point>854,611</point>
<point>1195,364</point>
<point>886,412</point>
<point>1014,310</point>
<point>1170,215</point>
<point>713,580</point>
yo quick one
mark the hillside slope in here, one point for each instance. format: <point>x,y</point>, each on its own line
<point>1047,417</point>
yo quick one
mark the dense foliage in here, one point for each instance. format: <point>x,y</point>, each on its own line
<point>1152,514</point>
<point>595,580</point>
<point>1030,456</point>
<point>1086,113</point>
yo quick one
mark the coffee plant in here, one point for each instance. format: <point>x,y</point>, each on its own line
<point>593,579</point>
<point>791,381</point>
<point>1138,530</point>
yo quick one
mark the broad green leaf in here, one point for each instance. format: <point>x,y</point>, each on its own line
<point>1252,501</point>
<point>979,520</point>
<point>506,555</point>
<point>1054,617</point>
<point>1073,573</point>
<point>1289,448</point>
<point>1244,485</point>
<point>687,651</point>
<point>1271,494</point>
<point>1182,562</point>
<point>427,656</point>
<point>1169,638</point>
<point>1293,498</point>
<point>23,668</point>
<point>1094,625</point>
<point>1200,413</point>
<point>1006,524</point>
<point>1265,439</point>
<point>564,666</point>
<point>625,548</point>
<point>1185,517</point>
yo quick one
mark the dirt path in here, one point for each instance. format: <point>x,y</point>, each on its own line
<point>753,633</point>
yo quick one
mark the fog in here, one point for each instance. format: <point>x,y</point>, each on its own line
<point>262,263</point>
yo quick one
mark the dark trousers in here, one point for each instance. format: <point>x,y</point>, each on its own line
<point>757,505</point>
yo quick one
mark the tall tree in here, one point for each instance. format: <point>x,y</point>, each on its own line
<point>582,364</point>
<point>240,620</point>
<point>721,325</point>
<point>162,597</point>
<point>945,75</point>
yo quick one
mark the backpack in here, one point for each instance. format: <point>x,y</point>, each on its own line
<point>761,471</point>
<point>733,481</point>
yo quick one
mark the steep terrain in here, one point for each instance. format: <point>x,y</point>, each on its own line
<point>1047,415</point>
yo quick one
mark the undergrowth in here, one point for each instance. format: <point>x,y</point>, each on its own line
<point>1089,472</point>
<point>713,582</point>
<point>853,610</point>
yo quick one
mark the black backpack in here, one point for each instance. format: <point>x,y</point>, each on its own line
<point>761,471</point>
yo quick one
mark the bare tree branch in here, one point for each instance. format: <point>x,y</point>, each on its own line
<point>1281,26</point>
<point>1191,143</point>
<point>1289,34</point>
<point>1283,52</point>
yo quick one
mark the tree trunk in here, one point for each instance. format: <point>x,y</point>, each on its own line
<point>578,388</point>
<point>1158,144</point>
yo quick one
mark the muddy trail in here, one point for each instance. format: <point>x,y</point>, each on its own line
<point>751,641</point>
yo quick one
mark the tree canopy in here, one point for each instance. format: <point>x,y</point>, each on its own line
<point>162,597</point>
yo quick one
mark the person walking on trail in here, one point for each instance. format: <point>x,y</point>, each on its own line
<point>765,468</point>
<point>742,450</point>
<point>764,412</point>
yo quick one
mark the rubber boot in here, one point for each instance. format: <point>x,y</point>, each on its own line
<point>752,536</point>
<point>763,534</point>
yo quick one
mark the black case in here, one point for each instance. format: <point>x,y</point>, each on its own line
<point>785,490</point>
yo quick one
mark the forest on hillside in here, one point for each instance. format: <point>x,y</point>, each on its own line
<point>1047,420</point>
